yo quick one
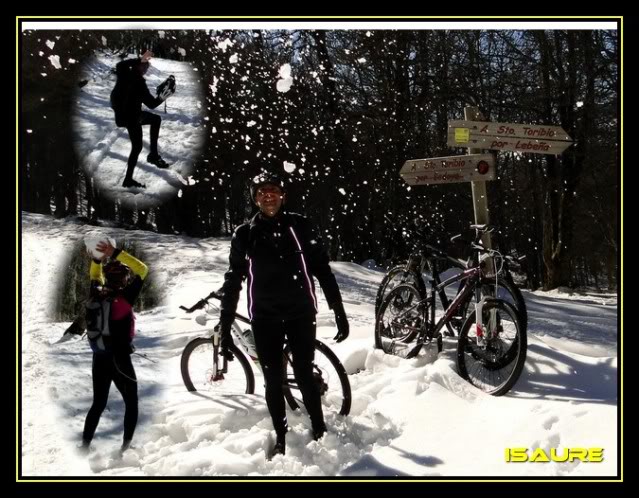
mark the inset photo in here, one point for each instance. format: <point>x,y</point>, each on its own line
<point>138,124</point>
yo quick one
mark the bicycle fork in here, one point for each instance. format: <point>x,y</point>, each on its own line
<point>217,373</point>
<point>481,332</point>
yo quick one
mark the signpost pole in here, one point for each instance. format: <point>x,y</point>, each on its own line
<point>480,198</point>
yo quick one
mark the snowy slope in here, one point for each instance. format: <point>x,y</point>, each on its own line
<point>409,417</point>
<point>104,148</point>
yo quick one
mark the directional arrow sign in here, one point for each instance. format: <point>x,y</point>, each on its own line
<point>536,139</point>
<point>452,169</point>
<point>512,144</point>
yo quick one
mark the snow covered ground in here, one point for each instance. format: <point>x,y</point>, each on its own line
<point>105,148</point>
<point>409,417</point>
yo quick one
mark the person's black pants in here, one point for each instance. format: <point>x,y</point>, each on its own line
<point>118,369</point>
<point>135,134</point>
<point>269,342</point>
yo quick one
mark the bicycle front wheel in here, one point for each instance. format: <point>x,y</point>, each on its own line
<point>492,357</point>
<point>328,373</point>
<point>198,372</point>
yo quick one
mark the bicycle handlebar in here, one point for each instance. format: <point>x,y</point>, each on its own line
<point>203,302</point>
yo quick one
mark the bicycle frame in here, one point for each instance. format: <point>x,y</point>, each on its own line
<point>472,279</point>
<point>432,330</point>
<point>431,254</point>
<point>470,276</point>
<point>439,287</point>
<point>416,265</point>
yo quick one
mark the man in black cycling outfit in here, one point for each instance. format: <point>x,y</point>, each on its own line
<point>279,253</point>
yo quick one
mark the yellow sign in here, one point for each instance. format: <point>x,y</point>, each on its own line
<point>462,135</point>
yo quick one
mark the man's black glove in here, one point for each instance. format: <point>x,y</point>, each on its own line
<point>341,322</point>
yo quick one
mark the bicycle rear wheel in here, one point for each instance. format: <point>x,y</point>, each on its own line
<point>400,319</point>
<point>398,275</point>
<point>233,377</point>
<point>330,376</point>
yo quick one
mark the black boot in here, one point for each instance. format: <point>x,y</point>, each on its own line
<point>319,431</point>
<point>130,182</point>
<point>125,446</point>
<point>85,447</point>
<point>279,448</point>
<point>157,160</point>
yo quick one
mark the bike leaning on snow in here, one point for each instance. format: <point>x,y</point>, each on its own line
<point>204,368</point>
